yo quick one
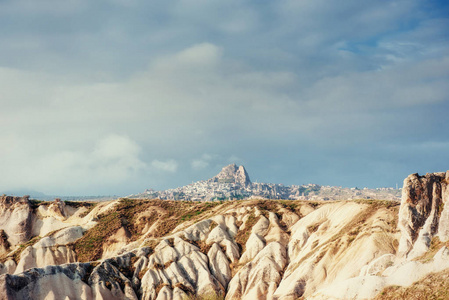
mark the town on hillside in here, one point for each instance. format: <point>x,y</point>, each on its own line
<point>233,183</point>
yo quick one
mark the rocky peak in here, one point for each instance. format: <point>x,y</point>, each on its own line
<point>233,174</point>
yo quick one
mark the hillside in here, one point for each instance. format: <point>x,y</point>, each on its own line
<point>233,182</point>
<point>250,249</point>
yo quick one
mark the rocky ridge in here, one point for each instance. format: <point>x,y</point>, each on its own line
<point>264,249</point>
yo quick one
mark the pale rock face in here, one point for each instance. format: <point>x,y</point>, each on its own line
<point>21,219</point>
<point>258,278</point>
<point>165,293</point>
<point>368,286</point>
<point>289,217</point>
<point>71,281</point>
<point>106,274</point>
<point>50,250</point>
<point>16,219</point>
<point>253,246</point>
<point>261,227</point>
<point>275,232</point>
<point>180,264</point>
<point>230,222</point>
<point>179,294</point>
<point>317,259</point>
<point>422,198</point>
<point>306,209</point>
<point>198,231</point>
<point>53,282</point>
<point>221,236</point>
<point>378,265</point>
<point>219,265</point>
<point>217,235</point>
<point>365,287</point>
<point>57,210</point>
<point>8,267</point>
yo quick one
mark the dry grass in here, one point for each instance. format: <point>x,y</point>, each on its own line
<point>378,203</point>
<point>126,214</point>
<point>16,254</point>
<point>160,286</point>
<point>151,243</point>
<point>207,296</point>
<point>242,235</point>
<point>212,225</point>
<point>184,288</point>
<point>180,211</point>
<point>204,248</point>
<point>433,286</point>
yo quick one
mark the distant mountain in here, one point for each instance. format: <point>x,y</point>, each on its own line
<point>233,182</point>
<point>22,192</point>
<point>41,196</point>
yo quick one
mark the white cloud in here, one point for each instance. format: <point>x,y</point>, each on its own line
<point>219,77</point>
<point>113,159</point>
<point>204,54</point>
<point>199,164</point>
<point>204,161</point>
<point>169,165</point>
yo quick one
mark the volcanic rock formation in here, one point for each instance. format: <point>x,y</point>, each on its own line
<point>258,249</point>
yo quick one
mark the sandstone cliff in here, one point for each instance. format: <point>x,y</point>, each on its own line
<point>260,249</point>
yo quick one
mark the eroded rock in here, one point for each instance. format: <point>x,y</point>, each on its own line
<point>423,199</point>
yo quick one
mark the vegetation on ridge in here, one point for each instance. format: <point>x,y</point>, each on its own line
<point>126,215</point>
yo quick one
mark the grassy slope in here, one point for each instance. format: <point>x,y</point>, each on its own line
<point>433,286</point>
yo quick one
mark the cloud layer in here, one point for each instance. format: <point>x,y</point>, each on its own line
<point>115,98</point>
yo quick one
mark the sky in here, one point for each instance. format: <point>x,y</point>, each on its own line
<point>115,97</point>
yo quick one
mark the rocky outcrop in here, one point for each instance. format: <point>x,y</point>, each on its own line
<point>423,212</point>
<point>16,219</point>
<point>233,174</point>
<point>84,281</point>
<point>423,247</point>
<point>4,244</point>
<point>50,250</point>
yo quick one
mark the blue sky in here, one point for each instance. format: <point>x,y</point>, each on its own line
<point>113,97</point>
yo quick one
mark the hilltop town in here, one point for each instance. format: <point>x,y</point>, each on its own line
<point>233,183</point>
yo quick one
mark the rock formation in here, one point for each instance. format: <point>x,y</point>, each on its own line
<point>423,212</point>
<point>233,174</point>
<point>16,219</point>
<point>259,249</point>
<point>4,244</point>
